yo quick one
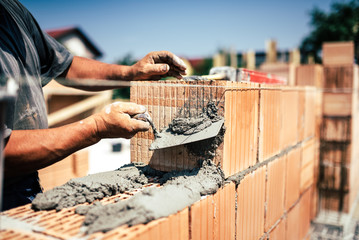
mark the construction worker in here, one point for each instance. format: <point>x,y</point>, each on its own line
<point>33,58</point>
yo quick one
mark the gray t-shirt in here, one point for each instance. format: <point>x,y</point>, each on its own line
<point>32,58</point>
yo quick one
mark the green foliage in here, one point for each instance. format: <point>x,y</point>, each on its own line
<point>127,60</point>
<point>204,67</point>
<point>124,93</point>
<point>340,24</point>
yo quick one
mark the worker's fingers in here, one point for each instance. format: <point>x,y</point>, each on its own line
<point>178,62</point>
<point>157,65</point>
<point>156,69</point>
<point>175,74</point>
<point>176,69</point>
<point>139,125</point>
<point>170,58</point>
<point>126,107</point>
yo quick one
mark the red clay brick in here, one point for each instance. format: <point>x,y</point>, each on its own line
<point>240,144</point>
<point>197,223</point>
<point>292,223</point>
<point>336,129</point>
<point>310,112</point>
<point>337,104</point>
<point>309,75</point>
<point>334,201</point>
<point>229,137</point>
<point>269,122</point>
<point>304,219</point>
<point>292,181</point>
<point>318,113</point>
<point>226,210</point>
<point>316,160</point>
<point>307,165</point>
<point>335,177</point>
<point>289,117</point>
<point>338,53</point>
<point>214,216</point>
<point>338,77</point>
<point>278,233</point>
<point>275,191</point>
<point>250,205</point>
<point>173,227</point>
<point>314,202</point>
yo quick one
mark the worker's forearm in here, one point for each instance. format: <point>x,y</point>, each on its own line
<point>82,68</point>
<point>30,150</point>
<point>153,66</point>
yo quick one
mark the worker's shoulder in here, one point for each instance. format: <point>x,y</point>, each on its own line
<point>18,11</point>
<point>20,15</point>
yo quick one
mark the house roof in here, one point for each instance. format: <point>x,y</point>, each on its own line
<point>60,33</point>
<point>195,62</point>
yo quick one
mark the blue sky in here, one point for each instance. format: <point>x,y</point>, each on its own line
<point>186,28</point>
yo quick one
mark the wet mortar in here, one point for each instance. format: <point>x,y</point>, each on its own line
<point>180,189</point>
<point>93,187</point>
<point>205,149</point>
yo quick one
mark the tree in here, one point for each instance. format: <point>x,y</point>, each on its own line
<point>340,24</point>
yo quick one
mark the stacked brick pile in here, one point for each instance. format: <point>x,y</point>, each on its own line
<point>269,150</point>
<point>339,159</point>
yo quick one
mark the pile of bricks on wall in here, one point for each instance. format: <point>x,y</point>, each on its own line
<point>339,158</point>
<point>269,151</point>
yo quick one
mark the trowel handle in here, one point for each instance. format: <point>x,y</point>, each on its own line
<point>143,117</point>
<point>146,118</point>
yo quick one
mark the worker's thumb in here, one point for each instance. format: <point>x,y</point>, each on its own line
<point>157,69</point>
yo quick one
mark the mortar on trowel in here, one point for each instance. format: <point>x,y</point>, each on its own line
<point>167,138</point>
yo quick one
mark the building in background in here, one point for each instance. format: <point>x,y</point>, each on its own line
<point>76,41</point>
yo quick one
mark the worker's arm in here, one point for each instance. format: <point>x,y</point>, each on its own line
<point>153,66</point>
<point>30,150</point>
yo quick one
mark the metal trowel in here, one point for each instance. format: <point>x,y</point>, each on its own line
<point>166,138</point>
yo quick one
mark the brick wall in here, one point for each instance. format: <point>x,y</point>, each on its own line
<point>338,181</point>
<point>269,154</point>
<point>269,151</point>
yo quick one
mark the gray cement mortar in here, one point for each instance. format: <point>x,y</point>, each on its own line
<point>192,124</point>
<point>180,189</point>
<point>93,187</point>
<point>186,124</point>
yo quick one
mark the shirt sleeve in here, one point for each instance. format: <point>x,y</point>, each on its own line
<point>54,57</point>
<point>7,133</point>
<point>56,61</point>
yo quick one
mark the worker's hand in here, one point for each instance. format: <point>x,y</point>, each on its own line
<point>157,65</point>
<point>115,120</point>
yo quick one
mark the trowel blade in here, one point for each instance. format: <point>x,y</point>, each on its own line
<point>167,139</point>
